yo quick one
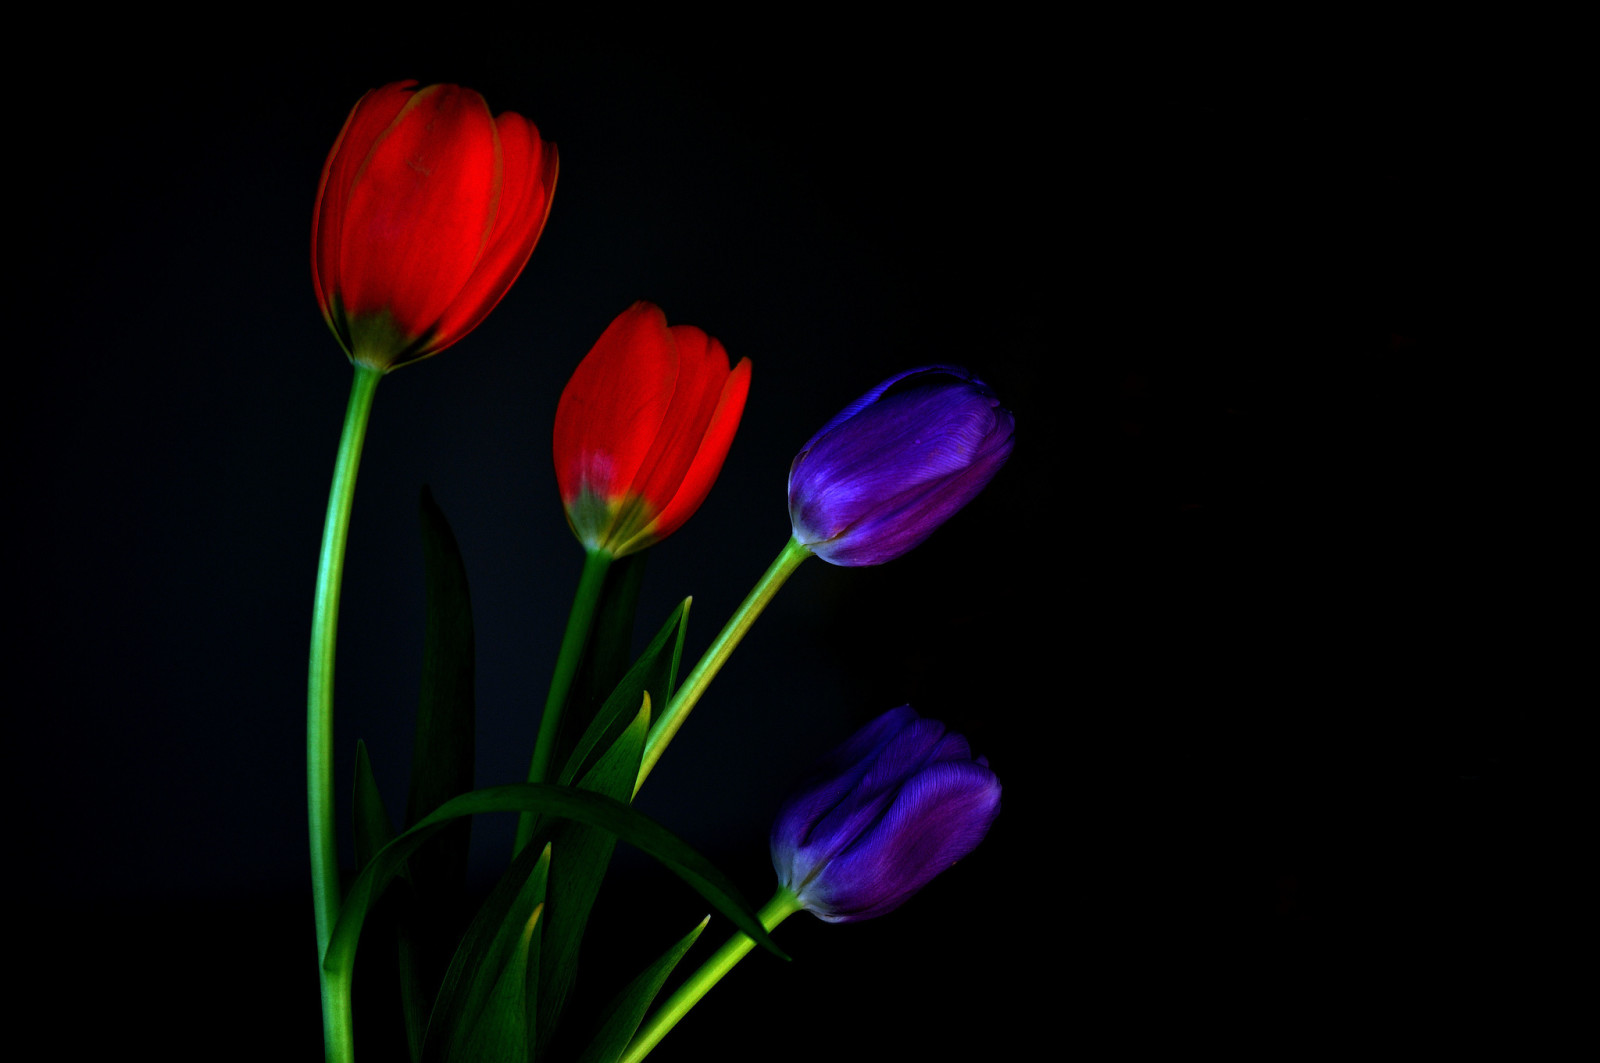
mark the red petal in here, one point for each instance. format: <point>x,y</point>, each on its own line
<point>614,405</point>
<point>528,167</point>
<point>702,370</point>
<point>713,450</point>
<point>420,209</point>
<point>366,122</point>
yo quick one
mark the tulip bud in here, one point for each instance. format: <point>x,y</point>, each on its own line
<point>880,816</point>
<point>896,464</point>
<point>428,210</point>
<point>642,430</point>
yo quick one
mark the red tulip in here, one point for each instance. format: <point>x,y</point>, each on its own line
<point>642,429</point>
<point>428,209</point>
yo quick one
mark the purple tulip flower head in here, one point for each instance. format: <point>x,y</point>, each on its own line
<point>880,816</point>
<point>897,463</point>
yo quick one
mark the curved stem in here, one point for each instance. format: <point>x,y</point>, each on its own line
<point>683,700</point>
<point>336,1018</point>
<point>573,641</point>
<point>782,905</point>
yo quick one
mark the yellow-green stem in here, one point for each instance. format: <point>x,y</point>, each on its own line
<point>782,905</point>
<point>683,700</point>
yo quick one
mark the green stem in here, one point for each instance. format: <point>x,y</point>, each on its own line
<point>336,1018</point>
<point>782,905</point>
<point>683,700</point>
<point>573,642</point>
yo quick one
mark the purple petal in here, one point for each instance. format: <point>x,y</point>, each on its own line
<point>937,818</point>
<point>897,463</point>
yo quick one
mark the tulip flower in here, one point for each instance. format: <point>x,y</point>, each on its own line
<point>642,430</point>
<point>428,210</point>
<point>876,820</point>
<point>896,464</point>
<point>880,816</point>
<point>874,482</point>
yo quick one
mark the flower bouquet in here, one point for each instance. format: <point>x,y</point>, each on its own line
<point>428,209</point>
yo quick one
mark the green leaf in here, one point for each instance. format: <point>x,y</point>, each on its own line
<point>595,810</point>
<point>471,995</point>
<point>584,853</point>
<point>442,747</point>
<point>373,827</point>
<point>606,653</point>
<point>501,1033</point>
<point>655,673</point>
<point>442,756</point>
<point>622,1016</point>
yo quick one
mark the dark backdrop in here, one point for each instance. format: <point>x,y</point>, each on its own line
<point>1260,783</point>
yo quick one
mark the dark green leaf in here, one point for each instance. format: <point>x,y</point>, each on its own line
<point>480,962</point>
<point>501,1033</point>
<point>605,654</point>
<point>373,827</point>
<point>442,748</point>
<point>624,1014</point>
<point>583,853</point>
<point>655,673</point>
<point>595,810</point>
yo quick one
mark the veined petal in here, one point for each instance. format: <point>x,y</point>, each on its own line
<point>367,121</point>
<point>612,409</point>
<point>421,209</point>
<point>940,816</point>
<point>713,451</point>
<point>895,464</point>
<point>528,167</point>
<point>881,816</point>
<point>423,219</point>
<point>642,429</point>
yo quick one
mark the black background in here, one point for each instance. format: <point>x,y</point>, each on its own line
<point>1266,771</point>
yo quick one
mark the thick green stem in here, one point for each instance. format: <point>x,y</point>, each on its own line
<point>573,641</point>
<point>336,1019</point>
<point>782,905</point>
<point>683,700</point>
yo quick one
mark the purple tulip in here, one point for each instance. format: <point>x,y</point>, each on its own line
<point>898,803</point>
<point>896,464</point>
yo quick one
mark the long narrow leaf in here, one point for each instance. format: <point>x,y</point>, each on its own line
<point>606,653</point>
<point>442,749</point>
<point>653,673</point>
<point>584,853</point>
<point>624,1014</point>
<point>482,951</point>
<point>627,823</point>
<point>373,827</point>
<point>501,1033</point>
<point>442,754</point>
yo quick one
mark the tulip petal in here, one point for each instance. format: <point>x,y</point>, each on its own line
<point>938,817</point>
<point>366,122</point>
<point>421,208</point>
<point>881,816</point>
<point>611,413</point>
<point>694,441</point>
<point>895,464</point>
<point>427,211</point>
<point>642,430</point>
<point>528,166</point>
<point>713,451</point>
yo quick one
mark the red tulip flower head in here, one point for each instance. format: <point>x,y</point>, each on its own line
<point>428,209</point>
<point>642,430</point>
